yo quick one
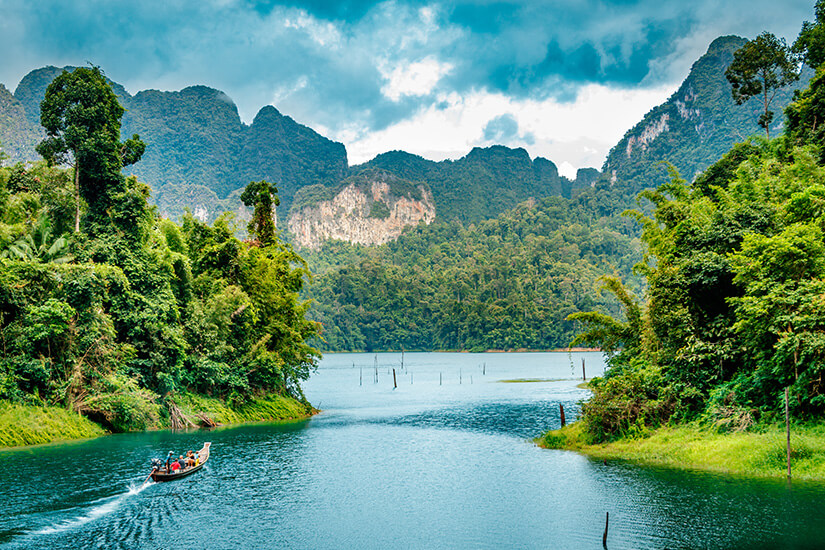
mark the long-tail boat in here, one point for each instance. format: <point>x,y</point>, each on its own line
<point>160,474</point>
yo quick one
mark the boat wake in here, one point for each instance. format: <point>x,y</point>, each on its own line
<point>100,508</point>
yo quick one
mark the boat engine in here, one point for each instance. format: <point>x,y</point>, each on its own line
<point>156,463</point>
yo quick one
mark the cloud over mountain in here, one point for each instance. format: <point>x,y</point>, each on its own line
<point>353,68</point>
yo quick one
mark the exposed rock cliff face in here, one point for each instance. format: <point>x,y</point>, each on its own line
<point>372,208</point>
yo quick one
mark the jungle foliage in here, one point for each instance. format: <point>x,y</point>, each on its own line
<point>505,283</point>
<point>131,312</point>
<point>733,312</point>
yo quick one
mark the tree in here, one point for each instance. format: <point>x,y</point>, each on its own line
<point>39,245</point>
<point>262,196</point>
<point>762,67</point>
<point>810,44</point>
<point>81,116</point>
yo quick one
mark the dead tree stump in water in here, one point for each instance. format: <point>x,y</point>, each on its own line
<point>561,414</point>
<point>606,522</point>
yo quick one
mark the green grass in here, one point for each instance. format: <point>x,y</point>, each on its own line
<point>696,447</point>
<point>33,425</point>
<point>274,407</point>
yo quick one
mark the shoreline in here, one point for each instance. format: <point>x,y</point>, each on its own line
<point>520,350</point>
<point>27,426</point>
<point>694,447</point>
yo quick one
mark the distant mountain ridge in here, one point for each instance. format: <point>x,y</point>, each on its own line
<point>198,147</point>
<point>482,184</point>
<point>200,154</point>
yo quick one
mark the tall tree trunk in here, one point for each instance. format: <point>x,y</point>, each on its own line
<point>766,102</point>
<point>77,196</point>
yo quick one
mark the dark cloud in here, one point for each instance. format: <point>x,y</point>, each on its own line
<point>505,129</point>
<point>502,129</point>
<point>326,63</point>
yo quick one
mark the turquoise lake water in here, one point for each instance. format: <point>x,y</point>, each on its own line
<point>442,461</point>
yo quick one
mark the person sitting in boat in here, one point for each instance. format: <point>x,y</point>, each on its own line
<point>190,459</point>
<point>175,466</point>
<point>196,458</point>
<point>183,462</point>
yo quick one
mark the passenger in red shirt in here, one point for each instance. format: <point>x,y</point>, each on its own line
<point>175,466</point>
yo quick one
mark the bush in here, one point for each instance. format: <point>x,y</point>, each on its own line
<point>630,404</point>
<point>123,407</point>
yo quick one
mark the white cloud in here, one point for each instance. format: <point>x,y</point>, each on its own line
<point>415,79</point>
<point>567,170</point>
<point>321,32</point>
<point>574,135</point>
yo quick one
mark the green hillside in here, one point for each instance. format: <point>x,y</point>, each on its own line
<point>198,147</point>
<point>482,184</point>
<point>200,152</point>
<point>18,136</point>
<point>504,283</point>
<point>116,314</point>
<point>698,124</point>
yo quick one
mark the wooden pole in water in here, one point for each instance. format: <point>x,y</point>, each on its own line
<point>606,522</point>
<point>788,431</point>
<point>439,378</point>
<point>394,383</point>
<point>584,376</point>
<point>361,376</point>
<point>459,376</point>
<point>484,369</point>
<point>561,414</point>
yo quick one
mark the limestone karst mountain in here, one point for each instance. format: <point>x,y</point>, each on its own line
<point>695,126</point>
<point>200,154</point>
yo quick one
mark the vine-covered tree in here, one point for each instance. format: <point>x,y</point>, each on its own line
<point>760,68</point>
<point>81,116</point>
<point>262,196</point>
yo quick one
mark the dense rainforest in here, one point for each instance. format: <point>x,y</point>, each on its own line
<point>486,276</point>
<point>734,266</point>
<point>118,314</point>
<point>505,283</point>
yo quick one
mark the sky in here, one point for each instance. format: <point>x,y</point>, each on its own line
<point>565,79</point>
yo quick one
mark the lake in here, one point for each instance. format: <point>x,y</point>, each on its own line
<point>442,461</point>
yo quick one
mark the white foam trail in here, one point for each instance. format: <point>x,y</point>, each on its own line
<point>109,505</point>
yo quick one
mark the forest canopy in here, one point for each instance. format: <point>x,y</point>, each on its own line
<point>116,313</point>
<point>734,265</point>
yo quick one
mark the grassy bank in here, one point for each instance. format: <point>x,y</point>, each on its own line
<point>33,425</point>
<point>696,447</point>
<point>274,407</point>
